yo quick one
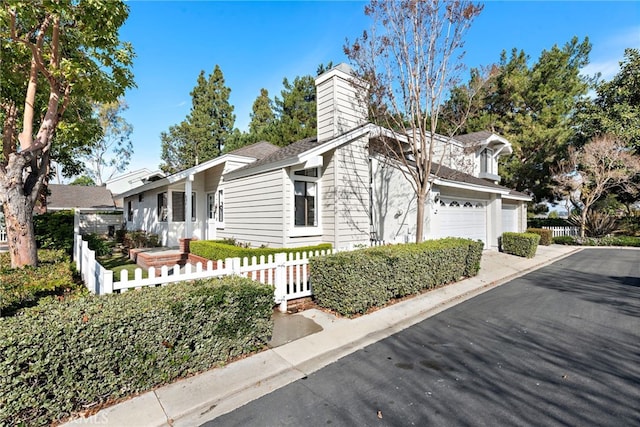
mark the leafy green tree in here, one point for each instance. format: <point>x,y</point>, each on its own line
<point>112,152</point>
<point>533,106</point>
<point>295,111</point>
<point>84,180</point>
<point>204,133</point>
<point>262,115</point>
<point>616,107</point>
<point>56,56</point>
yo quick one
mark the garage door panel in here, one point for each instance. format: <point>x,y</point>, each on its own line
<point>462,218</point>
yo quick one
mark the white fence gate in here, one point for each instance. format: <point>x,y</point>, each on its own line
<point>287,273</point>
<point>564,231</point>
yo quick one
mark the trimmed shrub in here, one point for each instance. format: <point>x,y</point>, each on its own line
<point>629,241</point>
<point>59,358</point>
<point>520,244</point>
<point>546,235</point>
<point>216,249</point>
<point>23,287</point>
<point>564,240</point>
<point>352,282</point>
<point>547,222</point>
<point>98,244</point>
<point>54,230</point>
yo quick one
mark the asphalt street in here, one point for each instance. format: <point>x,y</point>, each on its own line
<point>558,346</point>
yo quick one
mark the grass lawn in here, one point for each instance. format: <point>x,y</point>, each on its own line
<point>118,262</point>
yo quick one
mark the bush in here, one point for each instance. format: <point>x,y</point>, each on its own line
<point>140,239</point>
<point>216,249</point>
<point>353,282</point>
<point>98,244</point>
<point>60,358</point>
<point>629,241</point>
<point>24,287</point>
<point>546,235</point>
<point>54,230</point>
<point>564,240</point>
<point>520,244</point>
<point>547,222</point>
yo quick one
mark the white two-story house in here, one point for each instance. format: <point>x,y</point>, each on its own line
<point>333,188</point>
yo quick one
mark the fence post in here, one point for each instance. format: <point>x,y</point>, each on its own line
<point>107,282</point>
<point>77,251</point>
<point>234,264</point>
<point>280,281</point>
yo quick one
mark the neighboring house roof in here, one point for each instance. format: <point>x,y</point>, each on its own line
<point>78,196</point>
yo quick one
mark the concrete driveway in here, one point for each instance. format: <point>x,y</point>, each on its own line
<point>558,346</point>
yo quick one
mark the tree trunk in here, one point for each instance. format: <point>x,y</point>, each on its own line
<point>583,222</point>
<point>18,217</point>
<point>420,217</point>
<point>17,202</point>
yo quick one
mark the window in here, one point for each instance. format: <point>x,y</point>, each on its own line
<point>305,190</point>
<point>220,206</point>
<point>486,161</point>
<point>162,207</point>
<point>129,211</point>
<point>211,205</point>
<point>178,206</point>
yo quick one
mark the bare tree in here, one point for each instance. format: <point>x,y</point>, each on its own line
<point>591,172</point>
<point>410,59</point>
<point>111,153</point>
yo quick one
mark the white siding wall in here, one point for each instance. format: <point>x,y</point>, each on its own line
<point>253,209</point>
<point>394,204</point>
<point>352,166</point>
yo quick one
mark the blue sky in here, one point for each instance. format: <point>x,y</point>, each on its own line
<point>257,44</point>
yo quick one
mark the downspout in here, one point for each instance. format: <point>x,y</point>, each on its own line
<point>285,194</point>
<point>336,216</point>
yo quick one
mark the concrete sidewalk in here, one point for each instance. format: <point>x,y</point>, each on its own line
<point>195,400</point>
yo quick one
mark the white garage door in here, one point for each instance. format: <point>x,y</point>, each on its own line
<point>462,218</point>
<point>509,218</point>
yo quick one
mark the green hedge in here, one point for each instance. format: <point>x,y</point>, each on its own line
<point>548,222</point>
<point>520,244</point>
<point>546,235</point>
<point>353,282</point>
<point>58,358</point>
<point>54,230</point>
<point>23,287</point>
<point>215,250</point>
<point>631,241</point>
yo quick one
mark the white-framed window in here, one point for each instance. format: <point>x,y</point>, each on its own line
<point>486,161</point>
<point>163,207</point>
<point>306,212</point>
<point>215,207</point>
<point>220,205</point>
<point>211,206</point>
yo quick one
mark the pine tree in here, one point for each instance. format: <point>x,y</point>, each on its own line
<point>203,134</point>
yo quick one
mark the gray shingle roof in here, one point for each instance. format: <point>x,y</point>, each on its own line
<point>284,153</point>
<point>78,196</point>
<point>258,150</point>
<point>474,137</point>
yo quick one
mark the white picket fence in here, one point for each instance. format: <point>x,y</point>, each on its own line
<point>564,231</point>
<point>287,273</point>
